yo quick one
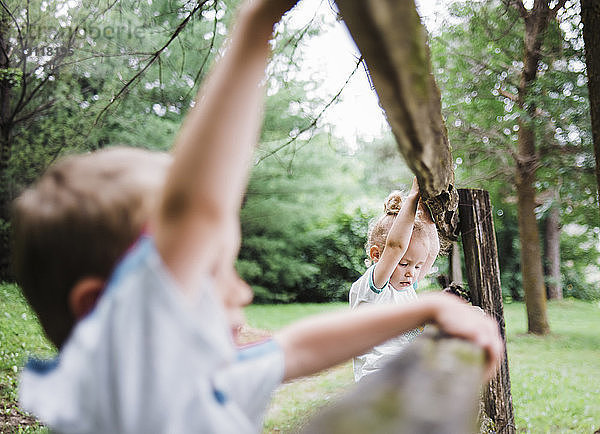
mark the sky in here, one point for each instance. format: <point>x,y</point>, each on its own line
<point>333,56</point>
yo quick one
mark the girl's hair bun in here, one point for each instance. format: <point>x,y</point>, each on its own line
<point>393,203</point>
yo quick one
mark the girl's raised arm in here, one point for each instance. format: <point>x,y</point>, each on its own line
<point>398,238</point>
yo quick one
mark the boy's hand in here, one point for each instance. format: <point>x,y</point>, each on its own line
<point>272,10</point>
<point>457,318</point>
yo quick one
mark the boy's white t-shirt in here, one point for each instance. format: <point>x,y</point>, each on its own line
<point>149,360</point>
<point>364,291</point>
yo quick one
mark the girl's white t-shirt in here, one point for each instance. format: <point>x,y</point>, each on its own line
<point>362,292</point>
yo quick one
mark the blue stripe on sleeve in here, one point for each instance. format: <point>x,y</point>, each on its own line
<point>257,350</point>
<point>372,284</point>
<point>42,366</point>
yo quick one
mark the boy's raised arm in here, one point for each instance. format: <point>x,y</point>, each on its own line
<point>197,223</point>
<point>323,341</point>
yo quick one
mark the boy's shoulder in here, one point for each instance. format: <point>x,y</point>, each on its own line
<point>141,317</point>
<point>142,295</point>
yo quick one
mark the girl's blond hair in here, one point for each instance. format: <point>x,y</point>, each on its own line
<point>380,226</point>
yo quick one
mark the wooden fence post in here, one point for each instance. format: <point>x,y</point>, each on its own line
<point>483,274</point>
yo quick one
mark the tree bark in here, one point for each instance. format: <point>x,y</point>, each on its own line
<point>554,285</point>
<point>590,16</point>
<point>483,274</point>
<point>393,42</point>
<point>6,84</point>
<point>536,22</point>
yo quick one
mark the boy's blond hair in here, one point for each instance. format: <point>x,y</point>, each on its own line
<point>76,221</point>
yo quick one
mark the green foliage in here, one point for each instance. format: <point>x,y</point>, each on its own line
<point>509,251</point>
<point>549,375</point>
<point>298,240</point>
<point>579,256</point>
<point>21,336</point>
<point>477,61</point>
<point>84,76</point>
<point>102,76</point>
<point>338,252</point>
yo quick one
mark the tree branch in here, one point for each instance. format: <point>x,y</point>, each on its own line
<point>511,96</point>
<point>316,119</point>
<point>155,56</point>
<point>205,60</point>
<point>20,35</point>
<point>35,112</point>
<point>519,6</point>
<point>556,8</point>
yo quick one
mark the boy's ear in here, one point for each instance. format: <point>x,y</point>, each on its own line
<point>84,295</point>
<point>374,253</point>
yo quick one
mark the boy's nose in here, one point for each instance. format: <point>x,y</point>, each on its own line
<point>241,292</point>
<point>236,292</point>
<point>245,293</point>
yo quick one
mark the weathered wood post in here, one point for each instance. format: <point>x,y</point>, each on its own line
<point>432,387</point>
<point>483,275</point>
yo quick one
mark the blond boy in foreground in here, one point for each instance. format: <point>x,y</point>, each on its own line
<point>146,332</point>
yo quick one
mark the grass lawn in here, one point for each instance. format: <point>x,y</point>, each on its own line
<point>20,335</point>
<point>555,379</point>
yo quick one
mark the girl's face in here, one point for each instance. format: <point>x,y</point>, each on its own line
<point>407,270</point>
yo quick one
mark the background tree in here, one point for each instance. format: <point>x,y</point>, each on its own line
<point>537,20</point>
<point>302,230</point>
<point>126,77</point>
<point>66,71</point>
<point>481,70</point>
<point>590,15</point>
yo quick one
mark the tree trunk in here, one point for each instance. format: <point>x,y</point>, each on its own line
<point>555,291</point>
<point>531,259</point>
<point>6,83</point>
<point>483,274</point>
<point>393,42</point>
<point>590,16</point>
<point>536,22</point>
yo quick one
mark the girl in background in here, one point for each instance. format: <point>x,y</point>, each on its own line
<point>402,245</point>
